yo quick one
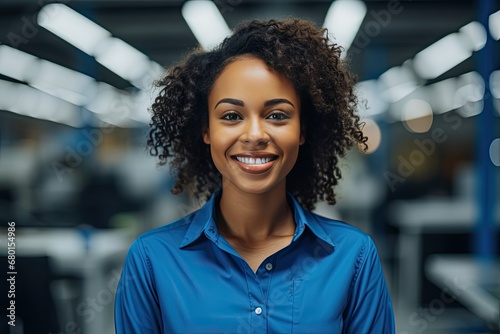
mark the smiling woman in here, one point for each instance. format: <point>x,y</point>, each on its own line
<point>253,127</point>
<point>257,125</point>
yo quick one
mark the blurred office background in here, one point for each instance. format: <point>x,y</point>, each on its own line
<point>75,85</point>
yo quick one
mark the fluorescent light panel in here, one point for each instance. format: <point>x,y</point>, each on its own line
<point>113,53</point>
<point>441,56</point>
<point>494,25</point>
<point>495,84</point>
<point>469,94</point>
<point>122,59</point>
<point>71,86</point>
<point>206,22</point>
<point>37,104</point>
<point>449,51</point>
<point>16,64</point>
<point>71,26</point>
<point>56,80</point>
<point>471,86</point>
<point>59,81</point>
<point>104,99</point>
<point>118,107</point>
<point>441,95</point>
<point>343,20</point>
<point>398,82</point>
<point>474,35</point>
<point>464,93</point>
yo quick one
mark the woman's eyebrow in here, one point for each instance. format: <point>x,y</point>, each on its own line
<point>277,101</point>
<point>230,101</point>
<point>268,103</point>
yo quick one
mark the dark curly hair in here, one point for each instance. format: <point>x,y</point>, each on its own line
<point>303,54</point>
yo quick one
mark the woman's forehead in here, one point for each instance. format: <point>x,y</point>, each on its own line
<point>247,75</point>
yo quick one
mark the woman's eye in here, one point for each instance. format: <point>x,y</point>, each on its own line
<point>231,117</point>
<point>279,116</point>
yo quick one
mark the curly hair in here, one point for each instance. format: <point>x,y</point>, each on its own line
<point>303,54</point>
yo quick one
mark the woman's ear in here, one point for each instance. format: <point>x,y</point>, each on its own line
<point>206,136</point>
<point>302,139</point>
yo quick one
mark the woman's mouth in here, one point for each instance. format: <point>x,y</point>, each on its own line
<point>255,164</point>
<point>255,161</point>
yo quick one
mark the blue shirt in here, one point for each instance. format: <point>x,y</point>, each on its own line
<point>185,277</point>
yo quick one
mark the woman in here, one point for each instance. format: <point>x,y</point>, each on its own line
<point>257,125</point>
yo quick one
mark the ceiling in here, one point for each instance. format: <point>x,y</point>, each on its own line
<point>158,29</point>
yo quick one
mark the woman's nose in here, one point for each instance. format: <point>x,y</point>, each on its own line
<point>255,132</point>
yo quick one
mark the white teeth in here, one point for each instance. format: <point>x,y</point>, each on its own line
<point>253,161</point>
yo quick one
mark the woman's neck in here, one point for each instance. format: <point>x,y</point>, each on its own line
<point>255,217</point>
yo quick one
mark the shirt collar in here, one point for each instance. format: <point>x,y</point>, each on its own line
<point>305,218</point>
<point>202,221</point>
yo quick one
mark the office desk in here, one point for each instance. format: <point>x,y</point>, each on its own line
<point>415,217</point>
<point>471,281</point>
<point>87,254</point>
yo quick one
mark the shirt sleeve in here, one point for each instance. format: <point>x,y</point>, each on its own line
<point>136,304</point>
<point>370,307</point>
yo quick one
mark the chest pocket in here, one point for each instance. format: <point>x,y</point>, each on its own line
<point>285,306</point>
<point>315,308</point>
<point>297,298</point>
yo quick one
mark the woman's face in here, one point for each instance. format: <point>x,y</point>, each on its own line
<point>254,126</point>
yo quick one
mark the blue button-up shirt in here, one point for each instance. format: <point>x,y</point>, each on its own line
<point>185,277</point>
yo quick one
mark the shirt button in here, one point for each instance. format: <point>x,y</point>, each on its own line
<point>258,310</point>
<point>269,266</point>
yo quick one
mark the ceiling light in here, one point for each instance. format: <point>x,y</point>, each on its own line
<point>450,51</point>
<point>122,59</point>
<point>105,99</point>
<point>206,22</point>
<point>71,26</point>
<point>59,81</point>
<point>111,105</point>
<point>398,82</point>
<point>56,80</point>
<point>441,56</point>
<point>470,88</point>
<point>494,25</point>
<point>441,95</point>
<point>343,20</point>
<point>469,94</point>
<point>474,34</point>
<point>464,94</point>
<point>16,64</point>
<point>37,104</point>
<point>113,53</point>
<point>495,84</point>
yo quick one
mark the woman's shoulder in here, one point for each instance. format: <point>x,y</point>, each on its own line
<point>338,230</point>
<point>171,233</point>
<point>184,230</point>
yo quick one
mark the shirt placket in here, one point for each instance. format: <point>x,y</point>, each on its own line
<point>258,292</point>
